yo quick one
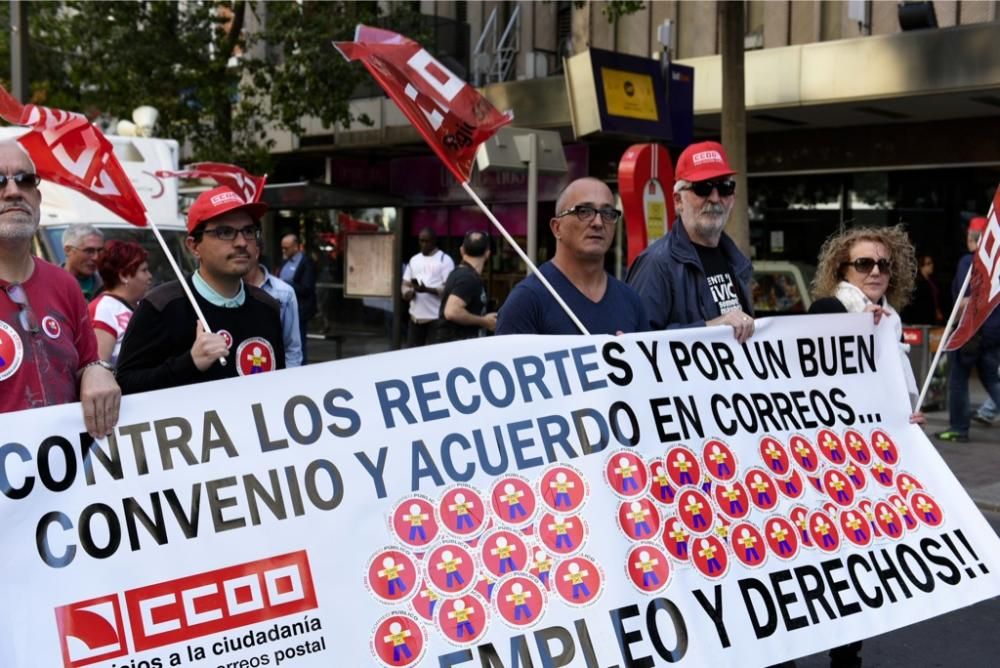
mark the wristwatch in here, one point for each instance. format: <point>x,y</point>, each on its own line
<point>101,363</point>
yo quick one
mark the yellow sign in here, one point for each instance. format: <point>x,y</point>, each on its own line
<point>629,94</point>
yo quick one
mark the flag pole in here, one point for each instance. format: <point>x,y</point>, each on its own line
<point>527,260</point>
<point>181,280</point>
<point>944,337</point>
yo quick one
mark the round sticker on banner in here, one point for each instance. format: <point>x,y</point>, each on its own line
<point>831,447</point>
<point>648,568</point>
<point>824,531</point>
<point>903,510</point>
<point>661,488</point>
<point>804,453</point>
<point>856,475</point>
<point>838,487</point>
<point>463,620</point>
<point>907,484</point>
<point>639,519</point>
<point>884,447</point>
<point>732,500</point>
<point>926,509</point>
<point>882,474</point>
<point>709,556</point>
<point>855,527</point>
<point>227,338</point>
<point>398,640</point>
<point>462,511</point>
<point>414,521</point>
<point>695,510</point>
<point>774,456</point>
<point>781,536</point>
<point>11,351</point>
<point>792,486</point>
<point>520,600</point>
<point>255,355</point>
<point>562,535</point>
<point>867,508</point>
<point>425,602</point>
<point>503,552</point>
<point>451,569</point>
<point>722,526</point>
<point>563,489</point>
<point>626,473</point>
<point>682,466</point>
<point>579,580</point>
<point>485,585</point>
<point>761,488</point>
<point>51,327</point>
<point>541,564</point>
<point>676,539</point>
<point>857,448</point>
<point>720,461</point>
<point>749,546</point>
<point>799,515</point>
<point>392,575</point>
<point>889,523</point>
<point>514,501</point>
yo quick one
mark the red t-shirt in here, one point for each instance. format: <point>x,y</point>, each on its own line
<point>40,369</point>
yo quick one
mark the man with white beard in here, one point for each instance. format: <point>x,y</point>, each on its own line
<point>695,276</point>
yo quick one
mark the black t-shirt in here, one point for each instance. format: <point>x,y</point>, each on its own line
<point>466,284</point>
<point>721,282</point>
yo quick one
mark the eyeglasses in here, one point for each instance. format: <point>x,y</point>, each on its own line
<point>89,250</point>
<point>29,322</point>
<point>865,265</point>
<point>227,233</point>
<point>704,188</point>
<point>24,180</point>
<point>587,213</point>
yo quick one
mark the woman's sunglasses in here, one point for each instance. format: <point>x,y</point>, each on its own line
<point>865,265</point>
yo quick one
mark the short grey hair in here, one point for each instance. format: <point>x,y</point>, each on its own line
<point>74,234</point>
<point>680,184</point>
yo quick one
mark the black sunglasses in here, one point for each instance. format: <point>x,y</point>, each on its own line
<point>29,322</point>
<point>587,213</point>
<point>227,233</point>
<point>24,180</point>
<point>865,265</point>
<point>704,188</point>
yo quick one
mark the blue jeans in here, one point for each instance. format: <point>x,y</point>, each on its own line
<point>959,368</point>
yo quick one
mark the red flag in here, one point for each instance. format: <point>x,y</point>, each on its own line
<point>984,286</point>
<point>450,114</point>
<point>69,150</point>
<point>238,179</point>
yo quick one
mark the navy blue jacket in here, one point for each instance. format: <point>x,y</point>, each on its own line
<point>671,281</point>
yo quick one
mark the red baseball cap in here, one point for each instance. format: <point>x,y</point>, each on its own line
<point>978,224</point>
<point>218,201</point>
<point>703,161</point>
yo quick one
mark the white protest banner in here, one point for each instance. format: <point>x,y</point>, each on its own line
<point>644,500</point>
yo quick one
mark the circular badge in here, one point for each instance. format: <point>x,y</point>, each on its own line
<point>676,539</point>
<point>903,510</point>
<point>889,523</point>
<point>774,455</point>
<point>720,461</point>
<point>661,488</point>
<point>782,537</point>
<point>503,552</point>
<point>51,327</point>
<point>804,453</point>
<point>856,475</point>
<point>855,527</point>
<point>463,620</point>
<point>732,499</point>
<point>695,510</point>
<point>800,516</point>
<point>682,466</point>
<point>709,557</point>
<point>255,355</point>
<point>562,535</point>
<point>830,446</point>
<point>857,448</point>
<point>414,521</point>
<point>648,568</point>
<point>907,484</point>
<point>398,640</point>
<point>626,473</point>
<point>882,474</point>
<point>11,351</point>
<point>749,546</point>
<point>541,565</point>
<point>639,519</point>
<point>927,509</point>
<point>227,338</point>
<point>425,602</point>
<point>824,532</point>
<point>520,600</point>
<point>462,511</point>
<point>513,501</point>
<point>884,447</point>
<point>838,488</point>
<point>579,580</point>
<point>792,486</point>
<point>763,493</point>
<point>563,489</point>
<point>451,569</point>
<point>392,575</point>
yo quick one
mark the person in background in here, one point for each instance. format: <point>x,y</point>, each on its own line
<point>124,270</point>
<point>463,302</point>
<point>83,244</point>
<point>423,284</point>
<point>299,272</point>
<point>925,308</point>
<point>260,277</point>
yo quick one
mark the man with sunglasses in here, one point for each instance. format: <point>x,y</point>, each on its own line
<point>165,344</point>
<point>584,227</point>
<point>48,351</point>
<point>695,275</point>
<point>83,245</point>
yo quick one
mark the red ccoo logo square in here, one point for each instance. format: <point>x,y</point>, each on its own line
<point>91,631</point>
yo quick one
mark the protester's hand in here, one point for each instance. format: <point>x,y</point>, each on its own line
<point>419,287</point>
<point>918,418</point>
<point>742,324</point>
<point>877,310</point>
<point>491,321</point>
<point>100,398</point>
<point>207,348</point>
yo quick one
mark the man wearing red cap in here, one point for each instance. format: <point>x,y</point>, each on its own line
<point>165,344</point>
<point>695,275</point>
